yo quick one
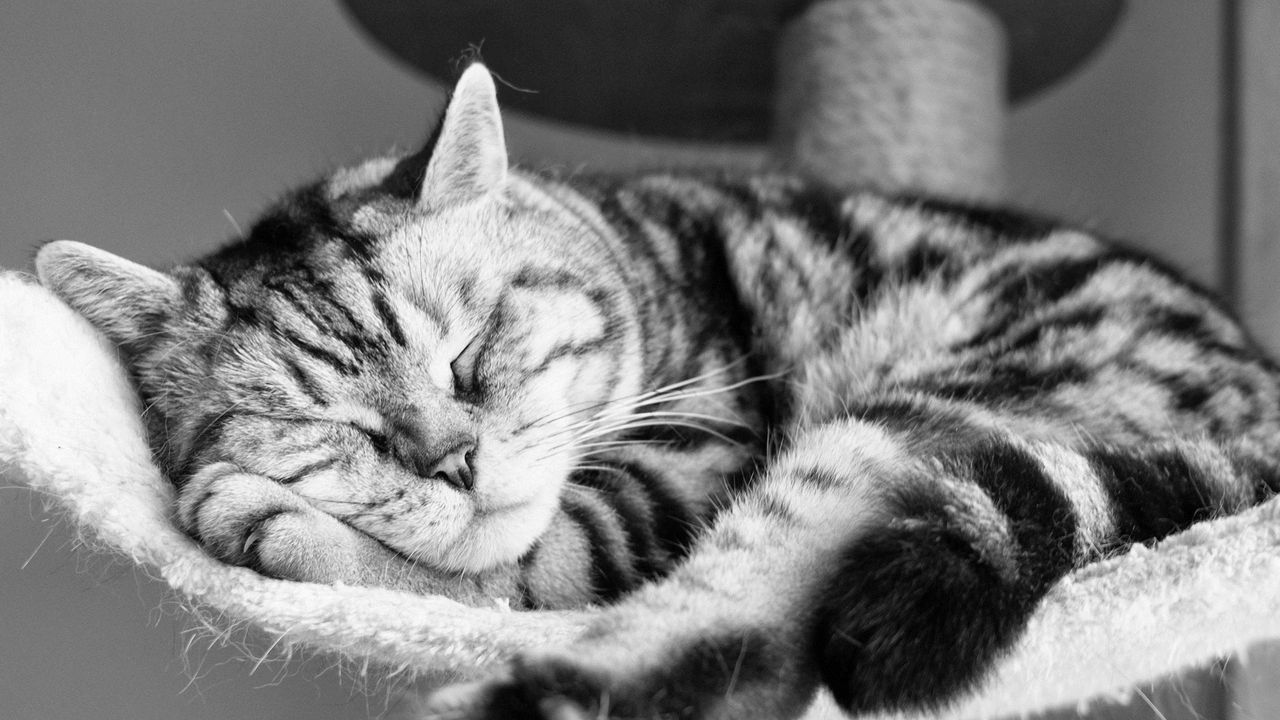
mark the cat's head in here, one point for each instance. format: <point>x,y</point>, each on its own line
<point>414,344</point>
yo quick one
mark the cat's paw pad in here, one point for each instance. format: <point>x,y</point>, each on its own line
<point>253,521</point>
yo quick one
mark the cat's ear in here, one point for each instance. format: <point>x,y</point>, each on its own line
<point>123,299</point>
<point>467,156</point>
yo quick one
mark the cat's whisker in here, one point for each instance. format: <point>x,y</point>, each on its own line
<point>619,441</point>
<point>598,468</point>
<point>656,399</point>
<point>578,447</point>
<point>611,408</point>
<point>709,374</point>
<point>335,501</point>
<point>692,394</point>
<point>560,415</point>
<point>630,401</point>
<point>610,413</point>
<point>597,453</point>
<point>548,451</point>
<point>722,388</point>
<point>622,409</point>
<point>221,415</point>
<point>661,414</point>
<point>609,444</point>
<point>659,417</point>
<point>595,427</point>
<point>667,423</point>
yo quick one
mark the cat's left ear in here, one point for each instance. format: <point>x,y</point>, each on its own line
<point>124,300</point>
<point>468,159</point>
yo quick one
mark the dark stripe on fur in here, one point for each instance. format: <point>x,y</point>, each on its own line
<point>896,590</point>
<point>1264,474</point>
<point>679,438</point>
<point>675,524</point>
<point>611,563</point>
<point>316,352</point>
<point>922,428</point>
<point>209,434</point>
<point>691,298</point>
<point>820,479</point>
<point>1042,518</point>
<point>389,319</point>
<point>777,508</point>
<point>1027,337</point>
<point>1046,282</point>
<point>912,615</point>
<point>1195,327</point>
<point>1154,493</point>
<point>999,222</point>
<point>635,510</point>
<point>1012,379</point>
<point>304,380</point>
<point>819,208</point>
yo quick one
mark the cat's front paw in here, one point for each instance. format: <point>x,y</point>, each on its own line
<point>520,695</point>
<point>253,521</point>
<point>707,677</point>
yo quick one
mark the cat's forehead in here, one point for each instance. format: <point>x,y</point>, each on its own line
<point>350,213</point>
<point>350,224</point>
<point>513,220</point>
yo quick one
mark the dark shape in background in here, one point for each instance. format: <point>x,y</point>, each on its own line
<point>681,69</point>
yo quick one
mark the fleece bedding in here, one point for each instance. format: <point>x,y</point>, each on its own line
<point>70,429</point>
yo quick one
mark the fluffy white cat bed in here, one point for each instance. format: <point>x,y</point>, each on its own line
<point>69,428</point>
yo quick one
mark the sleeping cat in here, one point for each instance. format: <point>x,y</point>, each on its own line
<point>796,437</point>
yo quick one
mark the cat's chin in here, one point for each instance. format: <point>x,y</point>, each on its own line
<point>494,537</point>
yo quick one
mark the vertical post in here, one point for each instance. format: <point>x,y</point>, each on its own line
<point>894,94</point>
<point>1256,165</point>
<point>1249,228</point>
<point>1228,225</point>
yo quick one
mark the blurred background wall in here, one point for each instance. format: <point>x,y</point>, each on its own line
<point>151,129</point>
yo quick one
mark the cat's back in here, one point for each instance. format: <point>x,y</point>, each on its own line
<point>859,293</point>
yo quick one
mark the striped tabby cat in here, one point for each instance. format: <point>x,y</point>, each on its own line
<point>800,437</point>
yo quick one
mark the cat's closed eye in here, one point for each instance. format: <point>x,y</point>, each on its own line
<point>377,439</point>
<point>465,382</point>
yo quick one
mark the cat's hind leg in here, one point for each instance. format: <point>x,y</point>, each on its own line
<point>891,555</point>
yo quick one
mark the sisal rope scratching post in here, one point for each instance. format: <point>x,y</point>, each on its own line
<point>894,94</point>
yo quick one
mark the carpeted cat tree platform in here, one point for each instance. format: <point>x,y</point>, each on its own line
<point>69,421</point>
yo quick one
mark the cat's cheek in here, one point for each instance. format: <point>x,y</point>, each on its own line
<point>506,478</point>
<point>575,382</point>
<point>594,379</point>
<point>423,531</point>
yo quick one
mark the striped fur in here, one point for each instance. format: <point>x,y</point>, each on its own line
<point>800,437</point>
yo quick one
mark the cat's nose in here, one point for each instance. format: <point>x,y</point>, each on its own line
<point>455,467</point>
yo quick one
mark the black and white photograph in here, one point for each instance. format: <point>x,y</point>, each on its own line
<point>662,360</point>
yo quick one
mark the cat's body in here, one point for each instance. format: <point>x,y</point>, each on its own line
<point>798,436</point>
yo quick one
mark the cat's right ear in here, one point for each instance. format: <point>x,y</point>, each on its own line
<point>122,299</point>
